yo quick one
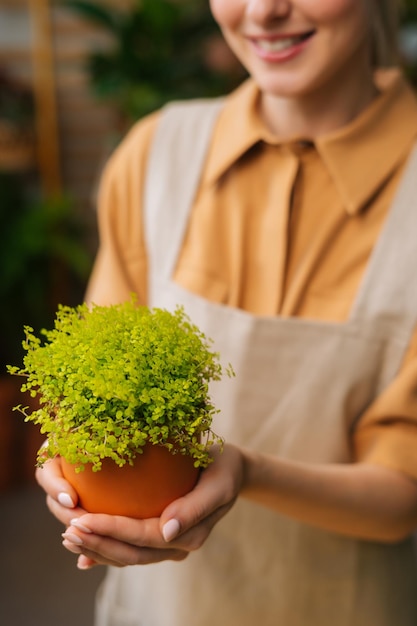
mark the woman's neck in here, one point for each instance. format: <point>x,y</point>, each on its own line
<point>320,112</point>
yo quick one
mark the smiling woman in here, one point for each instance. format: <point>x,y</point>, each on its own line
<point>282,218</point>
<point>297,51</point>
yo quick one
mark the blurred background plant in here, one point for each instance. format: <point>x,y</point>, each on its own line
<point>42,256</point>
<point>43,261</point>
<point>16,123</point>
<point>16,101</point>
<point>161,50</point>
<point>408,39</point>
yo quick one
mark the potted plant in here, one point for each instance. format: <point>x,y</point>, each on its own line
<point>123,389</point>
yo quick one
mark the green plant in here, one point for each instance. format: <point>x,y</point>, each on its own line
<point>111,379</point>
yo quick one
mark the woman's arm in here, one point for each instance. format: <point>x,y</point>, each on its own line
<point>359,500</point>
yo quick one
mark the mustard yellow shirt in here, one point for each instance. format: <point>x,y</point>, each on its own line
<point>278,228</point>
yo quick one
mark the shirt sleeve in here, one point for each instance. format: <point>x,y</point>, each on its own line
<point>120,266</point>
<point>387,432</point>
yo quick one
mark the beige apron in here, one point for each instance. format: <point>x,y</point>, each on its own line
<point>300,386</point>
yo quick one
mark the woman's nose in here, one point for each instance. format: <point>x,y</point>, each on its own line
<point>264,10</point>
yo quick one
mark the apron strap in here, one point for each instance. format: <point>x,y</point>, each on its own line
<point>175,164</point>
<point>389,287</point>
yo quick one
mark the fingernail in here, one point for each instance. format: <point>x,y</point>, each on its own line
<point>73,538</point>
<point>76,523</point>
<point>83,564</point>
<point>71,547</point>
<point>170,529</point>
<point>66,500</point>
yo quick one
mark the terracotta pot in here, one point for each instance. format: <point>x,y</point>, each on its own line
<point>141,491</point>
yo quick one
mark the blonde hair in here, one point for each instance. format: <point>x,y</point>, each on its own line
<point>385,19</point>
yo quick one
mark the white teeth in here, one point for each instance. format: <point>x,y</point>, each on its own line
<point>277,45</point>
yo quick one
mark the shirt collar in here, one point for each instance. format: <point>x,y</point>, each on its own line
<point>238,128</point>
<point>359,156</point>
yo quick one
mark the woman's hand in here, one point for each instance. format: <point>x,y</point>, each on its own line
<point>361,500</point>
<point>182,528</point>
<point>62,499</point>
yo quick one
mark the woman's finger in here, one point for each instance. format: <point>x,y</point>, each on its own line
<point>84,563</point>
<point>52,481</point>
<point>108,551</point>
<point>63,513</point>
<point>215,493</point>
<point>195,537</point>
<point>145,532</point>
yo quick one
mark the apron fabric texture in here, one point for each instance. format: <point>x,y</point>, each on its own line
<point>300,386</point>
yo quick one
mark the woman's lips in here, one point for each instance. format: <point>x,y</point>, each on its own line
<point>280,48</point>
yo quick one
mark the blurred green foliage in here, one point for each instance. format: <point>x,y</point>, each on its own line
<point>159,53</point>
<point>16,101</point>
<point>408,39</point>
<point>42,260</point>
<point>409,11</point>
